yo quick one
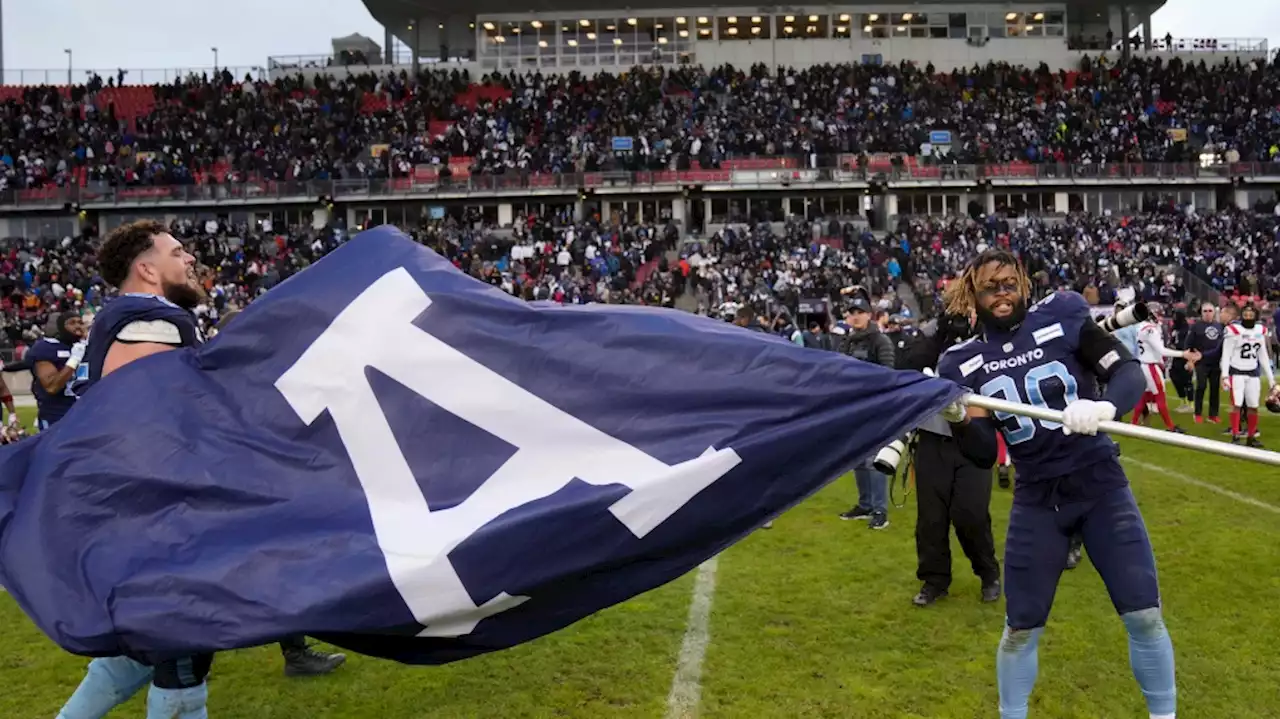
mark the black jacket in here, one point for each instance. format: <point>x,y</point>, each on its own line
<point>820,341</point>
<point>868,345</point>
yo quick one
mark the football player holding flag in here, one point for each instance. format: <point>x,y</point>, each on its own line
<point>1069,476</point>
<point>1244,359</point>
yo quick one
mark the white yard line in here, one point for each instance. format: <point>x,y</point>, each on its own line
<point>1203,485</point>
<point>686,687</point>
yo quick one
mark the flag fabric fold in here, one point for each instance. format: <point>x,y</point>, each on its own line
<point>389,455</point>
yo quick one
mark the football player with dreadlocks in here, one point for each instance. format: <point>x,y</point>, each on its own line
<point>1069,476</point>
<point>1244,359</point>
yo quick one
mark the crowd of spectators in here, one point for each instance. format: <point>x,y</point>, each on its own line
<point>772,267</point>
<point>542,258</point>
<point>1148,256</point>
<point>777,267</point>
<point>222,129</point>
<point>1235,252</point>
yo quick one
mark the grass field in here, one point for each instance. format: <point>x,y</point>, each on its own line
<point>813,619</point>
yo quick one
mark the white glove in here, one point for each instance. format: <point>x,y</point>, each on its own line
<point>77,354</point>
<point>954,412</point>
<point>13,419</point>
<point>1083,415</point>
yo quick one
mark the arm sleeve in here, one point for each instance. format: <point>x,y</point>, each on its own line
<point>1157,341</point>
<point>1193,337</point>
<point>923,354</point>
<point>1102,352</point>
<point>1125,388</point>
<point>976,440</point>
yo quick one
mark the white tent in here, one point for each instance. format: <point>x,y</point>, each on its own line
<point>356,42</point>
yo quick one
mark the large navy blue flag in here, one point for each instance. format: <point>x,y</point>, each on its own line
<point>392,456</point>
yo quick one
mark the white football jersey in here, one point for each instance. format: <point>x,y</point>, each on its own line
<point>1151,344</point>
<point>1245,350</point>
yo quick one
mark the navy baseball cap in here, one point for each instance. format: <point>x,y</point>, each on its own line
<point>857,305</point>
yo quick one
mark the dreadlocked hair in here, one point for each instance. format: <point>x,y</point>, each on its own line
<point>961,296</point>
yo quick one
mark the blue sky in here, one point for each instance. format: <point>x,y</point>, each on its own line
<point>105,34</point>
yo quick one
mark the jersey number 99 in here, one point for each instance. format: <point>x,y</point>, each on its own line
<point>1004,387</point>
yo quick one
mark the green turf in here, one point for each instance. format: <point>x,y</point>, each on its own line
<point>813,619</point>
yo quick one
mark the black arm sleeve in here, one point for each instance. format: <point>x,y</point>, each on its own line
<point>976,440</point>
<point>1125,388</point>
<point>923,353</point>
<point>1101,352</point>
<point>1193,336</point>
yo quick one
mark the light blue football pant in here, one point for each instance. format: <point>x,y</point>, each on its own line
<point>1150,657</point>
<point>112,681</point>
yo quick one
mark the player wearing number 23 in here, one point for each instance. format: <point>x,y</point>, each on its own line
<point>1244,360</point>
<point>1069,480</point>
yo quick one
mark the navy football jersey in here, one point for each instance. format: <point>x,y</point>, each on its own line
<point>152,313</point>
<point>1036,364</point>
<point>51,407</point>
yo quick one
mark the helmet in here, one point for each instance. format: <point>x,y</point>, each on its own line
<point>1273,399</point>
<point>1251,310</point>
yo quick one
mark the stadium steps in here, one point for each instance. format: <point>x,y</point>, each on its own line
<point>687,302</point>
<point>908,295</point>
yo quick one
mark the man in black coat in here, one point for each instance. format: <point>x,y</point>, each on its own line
<point>950,491</point>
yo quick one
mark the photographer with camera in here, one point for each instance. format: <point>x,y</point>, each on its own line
<point>865,342</point>
<point>950,489</point>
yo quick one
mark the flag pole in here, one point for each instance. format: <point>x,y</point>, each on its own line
<point>1124,429</point>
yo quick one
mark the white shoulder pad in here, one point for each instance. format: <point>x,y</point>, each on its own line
<point>159,331</point>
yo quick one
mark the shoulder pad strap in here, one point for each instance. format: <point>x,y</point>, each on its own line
<point>159,331</point>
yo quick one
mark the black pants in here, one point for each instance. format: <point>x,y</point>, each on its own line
<point>1183,382</point>
<point>1208,376</point>
<point>293,644</point>
<point>951,491</point>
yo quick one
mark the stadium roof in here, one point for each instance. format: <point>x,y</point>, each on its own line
<point>400,16</point>
<point>400,13</point>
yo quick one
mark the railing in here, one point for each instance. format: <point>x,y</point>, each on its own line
<point>1177,44</point>
<point>1196,286</point>
<point>400,56</point>
<point>1208,44</point>
<point>746,175</point>
<point>132,76</point>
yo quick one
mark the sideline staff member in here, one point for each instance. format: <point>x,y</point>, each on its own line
<point>950,490</point>
<point>864,341</point>
<point>1206,338</point>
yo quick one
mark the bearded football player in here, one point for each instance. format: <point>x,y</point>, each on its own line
<point>1052,355</point>
<point>1244,361</point>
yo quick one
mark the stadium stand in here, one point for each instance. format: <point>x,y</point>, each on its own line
<point>223,130</point>
<point>220,138</point>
